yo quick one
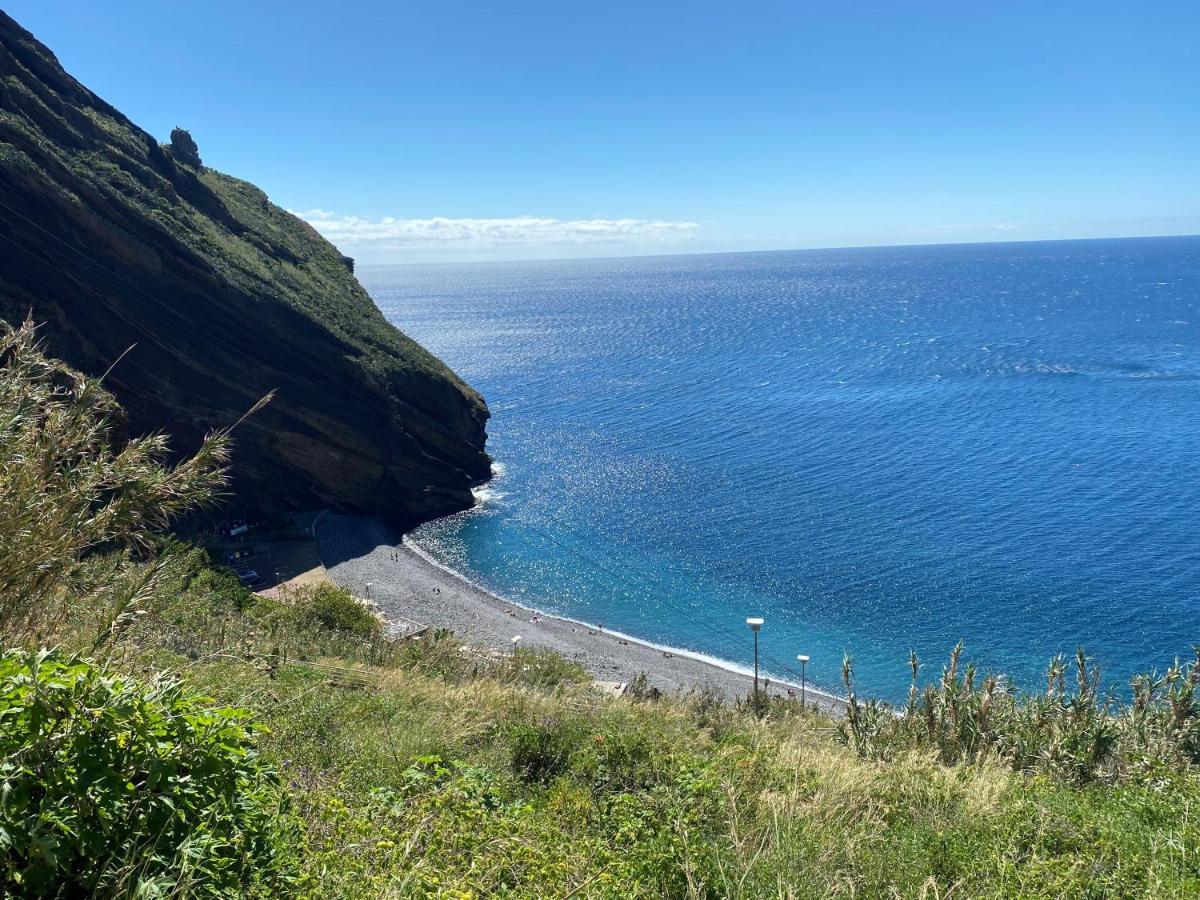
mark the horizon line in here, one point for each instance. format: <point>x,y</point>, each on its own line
<point>818,249</point>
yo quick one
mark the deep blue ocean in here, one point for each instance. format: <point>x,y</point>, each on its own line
<point>875,449</point>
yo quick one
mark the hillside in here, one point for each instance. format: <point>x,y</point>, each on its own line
<point>113,240</point>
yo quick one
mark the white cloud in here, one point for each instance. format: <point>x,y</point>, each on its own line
<point>349,232</point>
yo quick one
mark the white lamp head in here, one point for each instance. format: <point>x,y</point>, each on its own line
<point>755,623</point>
<point>516,639</point>
<point>802,658</point>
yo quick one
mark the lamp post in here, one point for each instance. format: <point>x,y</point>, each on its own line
<point>516,639</point>
<point>369,590</point>
<point>803,676</point>
<point>756,624</point>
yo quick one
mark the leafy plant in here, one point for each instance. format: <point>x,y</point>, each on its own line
<point>540,667</point>
<point>114,788</point>
<point>542,751</point>
<point>325,605</point>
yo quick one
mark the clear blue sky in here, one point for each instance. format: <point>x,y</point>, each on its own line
<point>629,127</point>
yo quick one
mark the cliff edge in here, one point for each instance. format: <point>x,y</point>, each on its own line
<point>111,240</point>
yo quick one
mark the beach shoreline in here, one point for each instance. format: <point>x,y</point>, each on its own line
<point>372,559</point>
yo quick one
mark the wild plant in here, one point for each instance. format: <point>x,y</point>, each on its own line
<point>71,485</point>
<point>117,788</point>
<point>1074,728</point>
<point>868,726</point>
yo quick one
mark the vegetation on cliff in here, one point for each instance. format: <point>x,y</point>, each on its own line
<point>113,240</point>
<point>191,738</point>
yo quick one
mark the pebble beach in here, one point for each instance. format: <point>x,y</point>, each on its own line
<point>408,586</point>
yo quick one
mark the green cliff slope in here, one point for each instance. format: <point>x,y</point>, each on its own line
<point>113,240</point>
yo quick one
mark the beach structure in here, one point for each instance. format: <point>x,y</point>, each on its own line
<point>235,528</point>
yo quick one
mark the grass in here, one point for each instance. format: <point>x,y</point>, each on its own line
<point>444,773</point>
<point>438,772</point>
<point>479,786</point>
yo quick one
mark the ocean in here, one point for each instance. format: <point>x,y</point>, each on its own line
<point>877,450</point>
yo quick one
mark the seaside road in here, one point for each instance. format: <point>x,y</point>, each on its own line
<point>359,550</point>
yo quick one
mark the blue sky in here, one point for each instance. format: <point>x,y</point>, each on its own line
<point>476,130</point>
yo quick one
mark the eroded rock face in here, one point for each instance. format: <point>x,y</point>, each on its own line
<point>184,148</point>
<point>112,241</point>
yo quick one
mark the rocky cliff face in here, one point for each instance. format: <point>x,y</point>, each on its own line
<point>112,240</point>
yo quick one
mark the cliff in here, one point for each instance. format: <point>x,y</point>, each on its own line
<point>112,240</point>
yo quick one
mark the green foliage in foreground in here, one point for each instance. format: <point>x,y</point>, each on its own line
<point>471,786</point>
<point>456,774</point>
<point>111,787</point>
<point>439,772</point>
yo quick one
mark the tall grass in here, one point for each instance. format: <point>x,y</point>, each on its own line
<point>1072,729</point>
<point>71,486</point>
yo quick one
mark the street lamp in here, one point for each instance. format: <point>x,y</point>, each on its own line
<point>803,672</point>
<point>756,624</point>
<point>516,639</point>
<point>369,590</point>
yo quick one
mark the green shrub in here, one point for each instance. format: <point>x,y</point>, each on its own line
<point>440,654</point>
<point>541,668</point>
<point>622,759</point>
<point>328,606</point>
<point>221,587</point>
<point>115,788</point>
<point>542,751</point>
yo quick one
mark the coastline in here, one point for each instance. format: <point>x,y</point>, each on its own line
<point>406,583</point>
